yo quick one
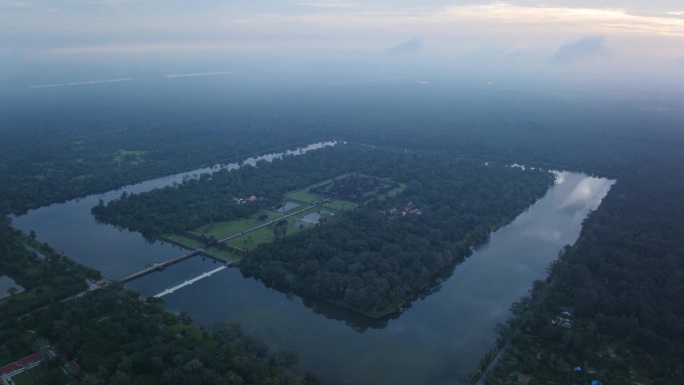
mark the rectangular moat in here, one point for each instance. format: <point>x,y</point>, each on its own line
<point>439,340</point>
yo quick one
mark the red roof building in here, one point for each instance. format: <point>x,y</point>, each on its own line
<point>9,368</point>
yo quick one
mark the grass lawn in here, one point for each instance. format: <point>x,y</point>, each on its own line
<point>394,192</point>
<point>222,230</point>
<point>38,375</point>
<point>253,239</point>
<point>303,196</point>
<point>182,240</point>
<point>27,298</point>
<point>339,205</point>
<point>223,254</point>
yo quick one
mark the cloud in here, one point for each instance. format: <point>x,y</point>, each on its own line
<point>434,35</point>
<point>199,74</point>
<point>327,4</point>
<point>584,48</point>
<point>412,45</point>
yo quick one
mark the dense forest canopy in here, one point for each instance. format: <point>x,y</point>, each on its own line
<point>46,275</point>
<point>623,278</point>
<point>114,336</point>
<point>623,282</point>
<point>371,260</point>
<point>210,197</point>
<point>128,132</point>
<point>119,339</point>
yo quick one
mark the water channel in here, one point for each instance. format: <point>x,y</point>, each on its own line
<point>439,340</point>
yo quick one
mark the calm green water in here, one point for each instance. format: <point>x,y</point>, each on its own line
<point>439,340</point>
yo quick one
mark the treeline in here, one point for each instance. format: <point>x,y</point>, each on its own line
<point>44,280</point>
<point>117,339</point>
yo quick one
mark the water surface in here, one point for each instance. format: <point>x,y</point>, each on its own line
<point>6,283</point>
<point>439,340</point>
<point>71,228</point>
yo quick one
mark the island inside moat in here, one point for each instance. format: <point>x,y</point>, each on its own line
<point>370,231</point>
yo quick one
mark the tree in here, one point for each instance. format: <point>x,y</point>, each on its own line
<point>185,317</point>
<point>90,379</point>
<point>41,346</point>
<point>225,332</point>
<point>288,358</point>
<point>120,378</point>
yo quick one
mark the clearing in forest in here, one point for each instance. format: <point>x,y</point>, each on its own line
<point>301,209</point>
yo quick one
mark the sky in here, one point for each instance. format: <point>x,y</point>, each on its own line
<point>594,40</point>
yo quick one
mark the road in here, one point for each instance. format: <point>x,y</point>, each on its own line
<point>269,222</point>
<point>492,364</point>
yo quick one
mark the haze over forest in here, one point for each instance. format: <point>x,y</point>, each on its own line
<point>340,192</point>
<point>618,41</point>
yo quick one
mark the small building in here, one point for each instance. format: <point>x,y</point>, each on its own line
<point>75,368</point>
<point>564,322</point>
